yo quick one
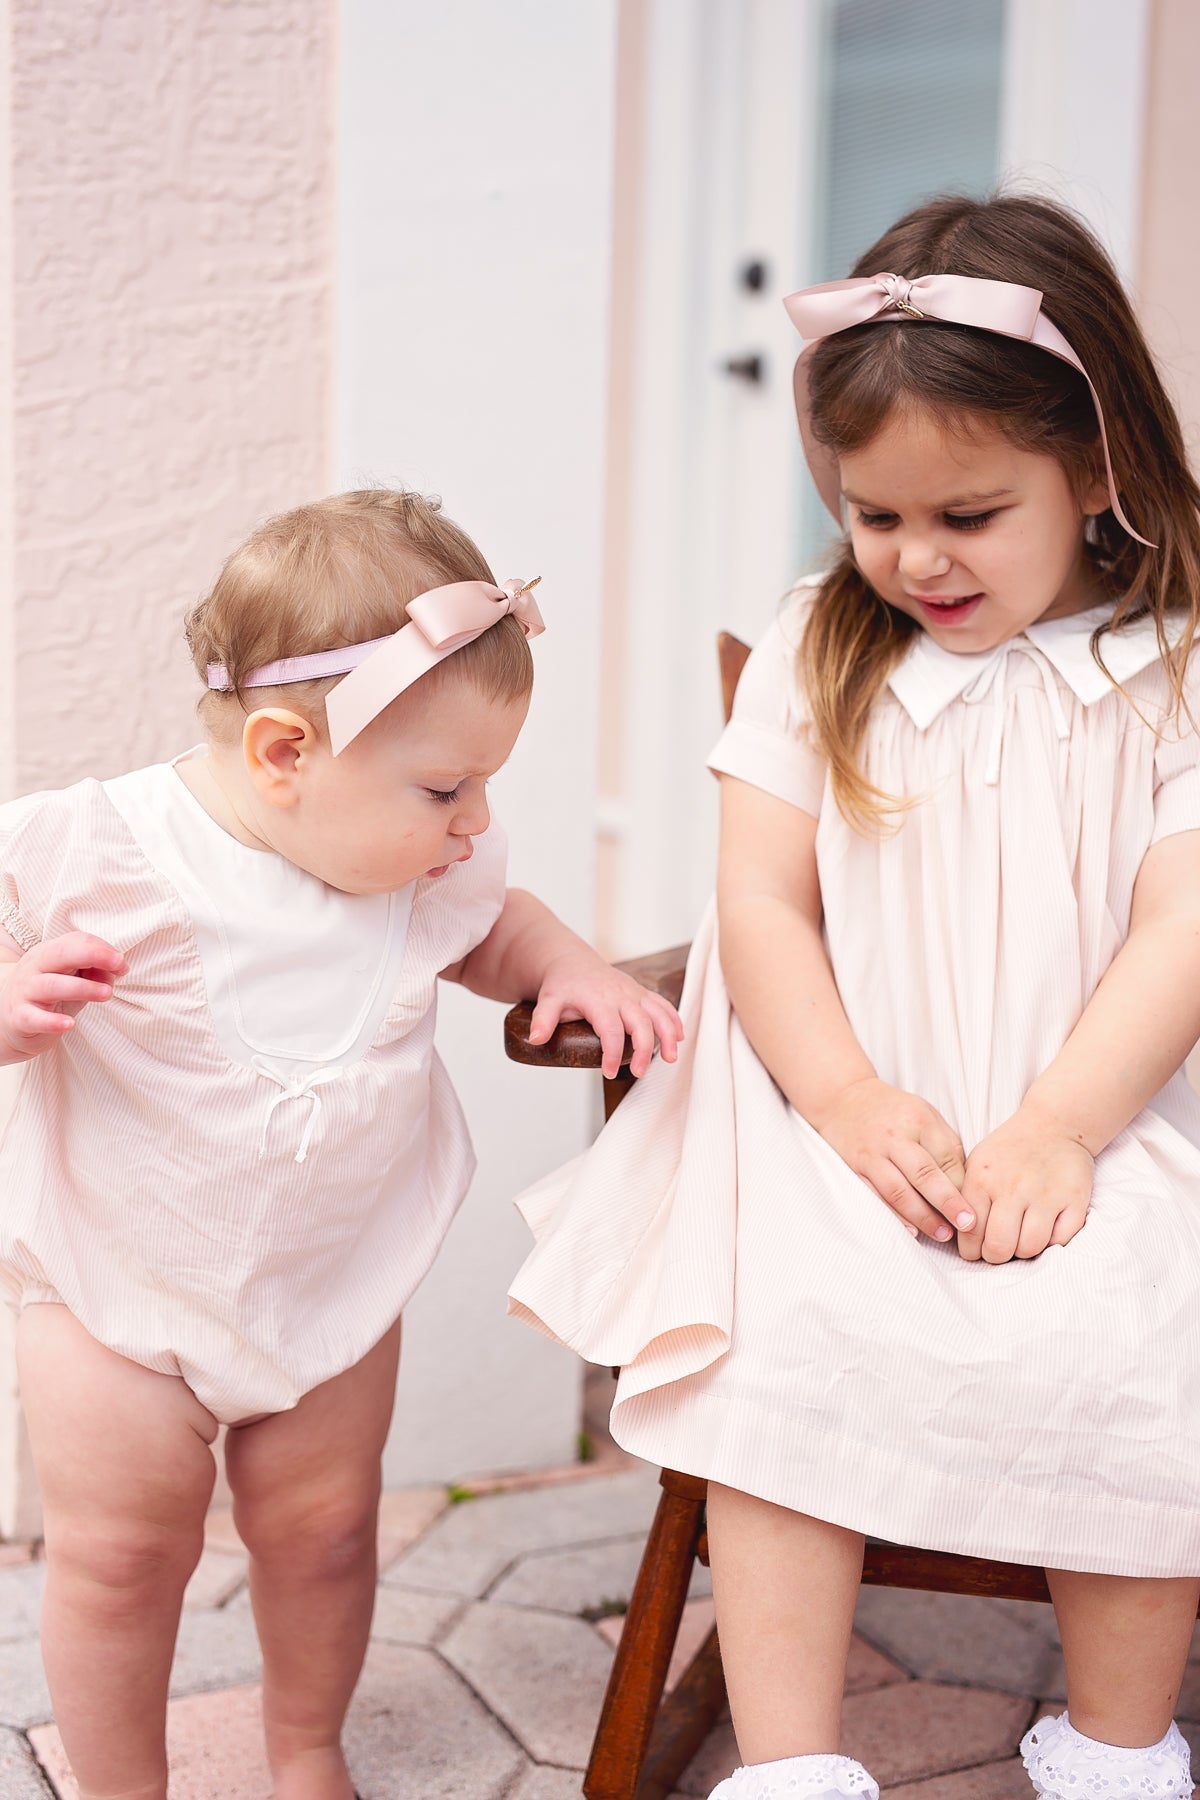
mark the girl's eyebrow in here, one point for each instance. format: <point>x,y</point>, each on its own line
<point>959,500</point>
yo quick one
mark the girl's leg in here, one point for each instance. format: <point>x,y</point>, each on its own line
<point>785,1587</point>
<point>126,1474</point>
<point>1125,1643</point>
<point>306,1497</point>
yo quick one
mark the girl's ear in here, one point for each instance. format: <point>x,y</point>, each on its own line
<point>1095,497</point>
<point>276,745</point>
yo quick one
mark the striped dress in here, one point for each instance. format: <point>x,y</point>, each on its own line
<point>238,1168</point>
<point>778,1329</point>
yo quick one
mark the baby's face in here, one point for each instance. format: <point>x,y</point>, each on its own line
<point>405,798</point>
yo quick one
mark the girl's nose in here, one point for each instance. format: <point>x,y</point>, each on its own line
<point>922,558</point>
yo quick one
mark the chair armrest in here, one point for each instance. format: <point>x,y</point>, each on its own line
<point>575,1045</point>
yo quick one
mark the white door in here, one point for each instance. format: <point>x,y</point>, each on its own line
<point>764,144</point>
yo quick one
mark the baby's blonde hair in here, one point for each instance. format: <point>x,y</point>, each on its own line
<point>341,571</point>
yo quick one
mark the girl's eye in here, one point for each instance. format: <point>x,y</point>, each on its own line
<point>970,521</point>
<point>878,521</point>
<point>443,799</point>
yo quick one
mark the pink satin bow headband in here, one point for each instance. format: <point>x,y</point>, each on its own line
<point>439,623</point>
<point>999,306</point>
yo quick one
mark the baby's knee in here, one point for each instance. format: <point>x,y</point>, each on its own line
<point>323,1530</point>
<point>127,1557</point>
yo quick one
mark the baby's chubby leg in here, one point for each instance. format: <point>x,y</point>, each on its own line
<point>306,1497</point>
<point>126,1475</point>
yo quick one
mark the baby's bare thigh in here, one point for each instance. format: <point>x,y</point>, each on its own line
<point>108,1435</point>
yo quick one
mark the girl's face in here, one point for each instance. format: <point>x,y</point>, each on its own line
<point>969,535</point>
<point>403,800</point>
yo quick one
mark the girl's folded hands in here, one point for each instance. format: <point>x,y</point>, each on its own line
<point>1029,1186</point>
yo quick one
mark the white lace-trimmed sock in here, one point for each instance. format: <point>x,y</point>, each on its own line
<point>1065,1765</point>
<point>799,1778</point>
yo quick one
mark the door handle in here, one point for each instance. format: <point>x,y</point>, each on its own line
<point>750,366</point>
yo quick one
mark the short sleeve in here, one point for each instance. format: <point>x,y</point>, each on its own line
<point>29,862</point>
<point>767,741</point>
<point>1177,763</point>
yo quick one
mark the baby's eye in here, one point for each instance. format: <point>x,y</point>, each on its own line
<point>443,798</point>
<point>970,521</point>
<point>878,521</point>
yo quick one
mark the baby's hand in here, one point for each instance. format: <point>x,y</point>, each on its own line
<point>1030,1186</point>
<point>41,991</point>
<point>906,1150</point>
<point>580,985</point>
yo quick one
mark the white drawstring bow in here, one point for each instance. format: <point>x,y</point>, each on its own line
<point>303,1087</point>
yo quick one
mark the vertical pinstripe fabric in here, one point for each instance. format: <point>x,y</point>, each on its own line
<point>778,1329</point>
<point>150,1179</point>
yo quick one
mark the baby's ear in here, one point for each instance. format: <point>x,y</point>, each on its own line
<point>276,744</point>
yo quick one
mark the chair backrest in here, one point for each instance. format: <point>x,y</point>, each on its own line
<point>731,654</point>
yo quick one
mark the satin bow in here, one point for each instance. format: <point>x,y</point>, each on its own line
<point>439,623</point>
<point>1000,306</point>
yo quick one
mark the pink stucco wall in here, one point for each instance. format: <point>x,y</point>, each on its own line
<point>1169,263</point>
<point>171,214</point>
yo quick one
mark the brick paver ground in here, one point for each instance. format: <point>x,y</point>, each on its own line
<point>492,1642</point>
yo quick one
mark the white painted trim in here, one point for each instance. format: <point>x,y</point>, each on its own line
<point>705,455</point>
<point>1073,110</point>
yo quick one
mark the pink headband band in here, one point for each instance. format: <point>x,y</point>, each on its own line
<point>999,306</point>
<point>439,623</point>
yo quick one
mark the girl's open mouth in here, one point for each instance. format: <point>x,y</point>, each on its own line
<point>948,609</point>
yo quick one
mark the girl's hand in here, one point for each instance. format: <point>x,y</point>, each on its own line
<point>578,984</point>
<point>42,990</point>
<point>1030,1186</point>
<point>906,1150</point>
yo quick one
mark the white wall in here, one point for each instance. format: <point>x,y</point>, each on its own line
<point>473,279</point>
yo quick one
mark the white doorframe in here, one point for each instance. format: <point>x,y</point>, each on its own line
<point>715,189</point>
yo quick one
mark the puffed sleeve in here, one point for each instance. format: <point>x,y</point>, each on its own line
<point>29,859</point>
<point>1177,763</point>
<point>766,742</point>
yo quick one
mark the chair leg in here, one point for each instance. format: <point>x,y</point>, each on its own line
<point>688,1715</point>
<point>643,1655</point>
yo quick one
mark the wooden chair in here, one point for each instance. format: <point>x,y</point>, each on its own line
<point>642,1742</point>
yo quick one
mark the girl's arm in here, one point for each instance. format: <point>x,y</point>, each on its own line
<point>42,989</point>
<point>1031,1180</point>
<point>784,993</point>
<point>531,952</point>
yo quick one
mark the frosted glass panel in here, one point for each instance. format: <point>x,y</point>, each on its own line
<point>911,107</point>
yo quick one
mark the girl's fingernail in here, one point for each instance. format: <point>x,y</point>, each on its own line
<point>965,1220</point>
<point>943,1234</point>
<point>911,1229</point>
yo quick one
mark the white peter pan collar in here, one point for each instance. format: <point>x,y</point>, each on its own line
<point>929,678</point>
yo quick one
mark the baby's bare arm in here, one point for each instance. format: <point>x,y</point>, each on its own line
<point>529,953</point>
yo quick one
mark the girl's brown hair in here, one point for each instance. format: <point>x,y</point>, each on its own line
<point>342,571</point>
<point>852,638</point>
